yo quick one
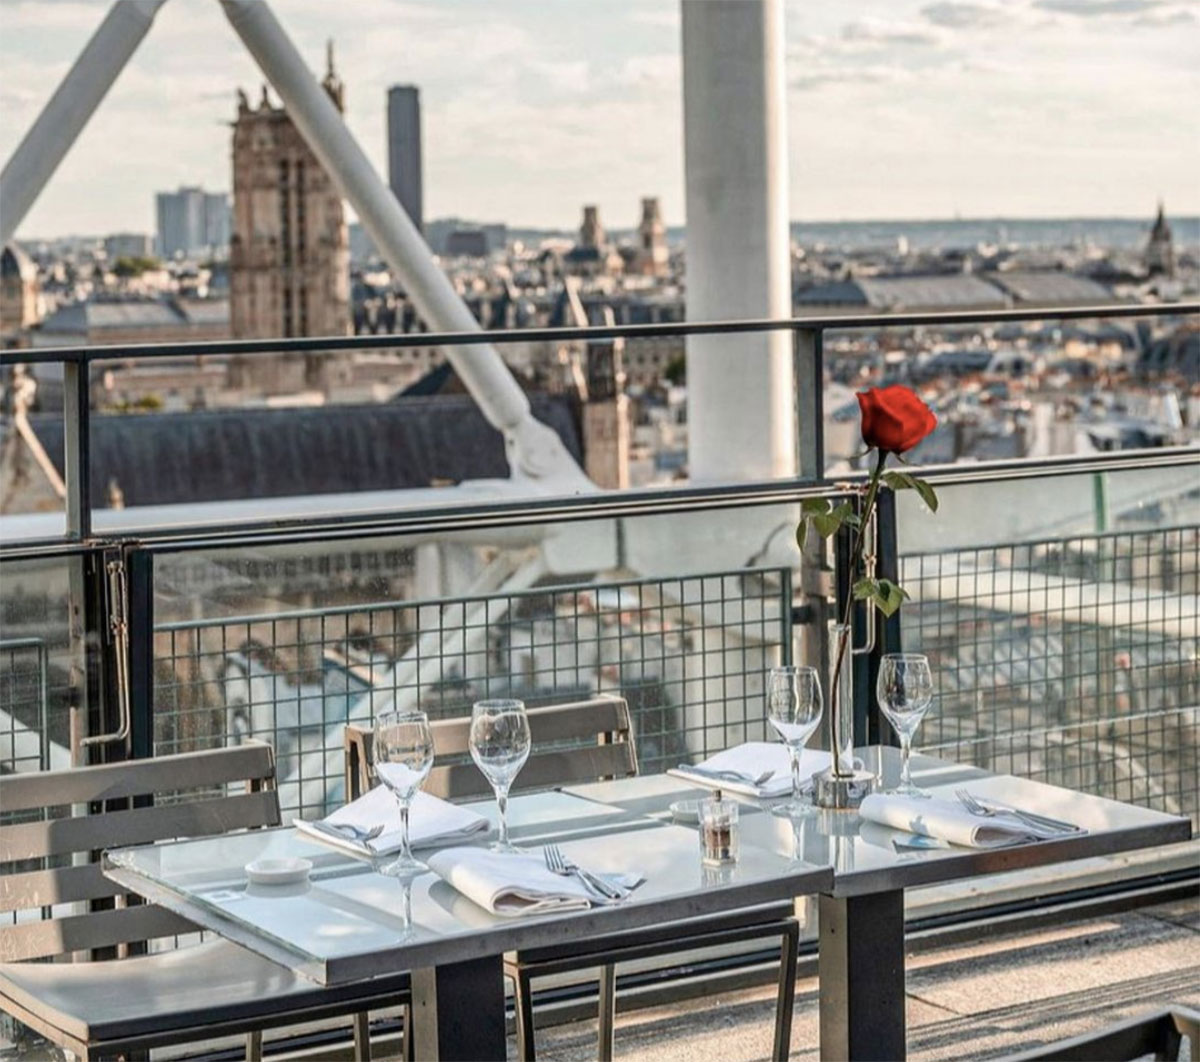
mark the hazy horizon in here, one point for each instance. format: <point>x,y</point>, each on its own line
<point>902,111</point>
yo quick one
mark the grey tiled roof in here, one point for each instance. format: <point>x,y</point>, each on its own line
<point>166,458</point>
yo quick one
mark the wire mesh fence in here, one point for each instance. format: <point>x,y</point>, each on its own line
<point>1072,661</point>
<point>689,654</point>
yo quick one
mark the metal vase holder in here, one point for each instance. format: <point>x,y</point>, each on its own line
<point>844,785</point>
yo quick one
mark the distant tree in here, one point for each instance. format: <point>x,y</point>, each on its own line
<point>676,370</point>
<point>134,265</point>
<point>150,403</point>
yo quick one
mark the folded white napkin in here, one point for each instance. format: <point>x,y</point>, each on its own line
<point>511,883</point>
<point>948,820</point>
<point>430,822</point>
<point>750,760</point>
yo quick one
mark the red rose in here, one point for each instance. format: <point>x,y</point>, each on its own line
<point>894,419</point>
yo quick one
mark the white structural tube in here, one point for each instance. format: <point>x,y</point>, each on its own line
<point>534,449</point>
<point>63,118</point>
<point>741,403</point>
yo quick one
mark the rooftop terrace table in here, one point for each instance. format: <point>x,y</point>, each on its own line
<point>345,923</point>
<point>861,919</point>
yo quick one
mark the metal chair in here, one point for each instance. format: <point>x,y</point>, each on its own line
<point>1158,1035</point>
<point>587,741</point>
<point>61,906</point>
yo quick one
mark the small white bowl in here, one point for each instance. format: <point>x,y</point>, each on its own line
<point>685,811</point>
<point>288,871</point>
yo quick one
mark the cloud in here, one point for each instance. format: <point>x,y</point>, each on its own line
<point>1178,16</point>
<point>876,33</point>
<point>954,15</point>
<point>1099,8</point>
<point>855,75</point>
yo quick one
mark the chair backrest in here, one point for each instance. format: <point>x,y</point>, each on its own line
<point>585,741</point>
<point>53,825</point>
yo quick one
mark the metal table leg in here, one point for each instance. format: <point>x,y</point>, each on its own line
<point>458,1012</point>
<point>861,967</point>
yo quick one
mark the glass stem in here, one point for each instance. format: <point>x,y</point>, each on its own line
<point>795,771</point>
<point>502,804</point>
<point>405,851</point>
<point>905,753</point>
<point>406,903</point>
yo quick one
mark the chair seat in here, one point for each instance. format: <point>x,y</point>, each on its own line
<point>151,995</point>
<point>669,935</point>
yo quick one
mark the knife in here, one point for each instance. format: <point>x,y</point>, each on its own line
<point>1032,817</point>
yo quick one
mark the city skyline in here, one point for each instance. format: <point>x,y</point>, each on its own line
<point>561,110</point>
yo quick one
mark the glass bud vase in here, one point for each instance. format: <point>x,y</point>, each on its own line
<point>841,786</point>
<point>841,698</point>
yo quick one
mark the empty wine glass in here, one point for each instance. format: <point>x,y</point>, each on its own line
<point>905,692</point>
<point>403,753</point>
<point>794,711</point>
<point>500,746</point>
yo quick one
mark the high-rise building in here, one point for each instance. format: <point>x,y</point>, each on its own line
<point>127,245</point>
<point>289,254</point>
<point>404,150</point>
<point>191,221</point>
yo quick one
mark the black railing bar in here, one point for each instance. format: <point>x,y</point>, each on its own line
<point>9,645</point>
<point>548,590</point>
<point>37,549</point>
<point>605,504</point>
<point>842,322</point>
<point>1065,464</point>
<point>1055,540</point>
<point>575,508</point>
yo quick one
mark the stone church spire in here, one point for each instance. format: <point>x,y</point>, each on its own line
<point>332,83</point>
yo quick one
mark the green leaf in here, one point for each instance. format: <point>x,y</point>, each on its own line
<point>865,590</point>
<point>928,495</point>
<point>826,523</point>
<point>890,597</point>
<point>812,506</point>
<point>907,481</point>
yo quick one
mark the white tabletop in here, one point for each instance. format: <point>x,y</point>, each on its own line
<point>863,855</point>
<point>345,922</point>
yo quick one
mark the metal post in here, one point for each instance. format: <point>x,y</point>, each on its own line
<point>809,363</point>
<point>458,1012</point>
<point>740,389</point>
<point>77,407</point>
<point>888,637</point>
<point>861,967</point>
<point>139,568</point>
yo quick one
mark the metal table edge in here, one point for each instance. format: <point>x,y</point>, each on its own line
<point>1172,830</point>
<point>496,941</point>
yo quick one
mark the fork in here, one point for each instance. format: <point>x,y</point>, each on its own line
<point>349,831</point>
<point>977,807</point>
<point>728,776</point>
<point>559,864</point>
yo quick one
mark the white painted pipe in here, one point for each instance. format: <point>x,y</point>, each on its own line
<point>63,118</point>
<point>534,449</point>
<point>741,404</point>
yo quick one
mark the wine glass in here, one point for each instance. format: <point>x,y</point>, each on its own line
<point>500,746</point>
<point>905,691</point>
<point>403,753</point>
<point>794,711</point>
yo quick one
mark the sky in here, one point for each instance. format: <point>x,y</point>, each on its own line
<point>531,108</point>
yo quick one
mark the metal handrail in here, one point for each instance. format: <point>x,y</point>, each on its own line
<point>837,322</point>
<point>618,504</point>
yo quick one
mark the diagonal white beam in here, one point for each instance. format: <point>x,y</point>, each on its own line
<point>63,118</point>
<point>534,450</point>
